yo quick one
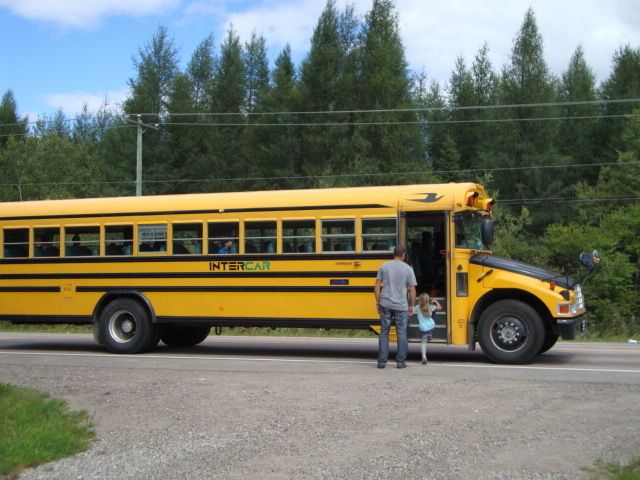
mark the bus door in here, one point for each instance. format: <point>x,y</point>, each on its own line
<point>425,235</point>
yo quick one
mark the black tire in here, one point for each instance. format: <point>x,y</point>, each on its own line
<point>179,336</point>
<point>125,327</point>
<point>511,331</point>
<point>550,340</point>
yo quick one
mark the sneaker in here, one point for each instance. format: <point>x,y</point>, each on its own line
<point>381,365</point>
<point>424,361</point>
<point>402,365</point>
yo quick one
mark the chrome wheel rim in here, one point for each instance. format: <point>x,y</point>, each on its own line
<point>122,326</point>
<point>509,333</point>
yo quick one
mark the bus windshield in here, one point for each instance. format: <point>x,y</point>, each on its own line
<point>468,233</point>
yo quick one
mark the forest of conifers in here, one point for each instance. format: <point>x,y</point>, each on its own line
<point>558,152</point>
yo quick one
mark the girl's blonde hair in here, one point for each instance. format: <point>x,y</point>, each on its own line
<point>423,303</point>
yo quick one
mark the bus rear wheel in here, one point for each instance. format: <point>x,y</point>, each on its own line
<point>511,331</point>
<point>125,327</point>
<point>179,336</point>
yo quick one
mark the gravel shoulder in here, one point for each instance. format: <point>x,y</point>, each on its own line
<point>334,422</point>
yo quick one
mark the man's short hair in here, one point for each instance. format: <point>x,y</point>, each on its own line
<point>399,250</point>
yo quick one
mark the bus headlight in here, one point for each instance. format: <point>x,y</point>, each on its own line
<point>572,308</point>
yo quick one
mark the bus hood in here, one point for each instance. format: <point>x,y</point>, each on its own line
<point>501,263</point>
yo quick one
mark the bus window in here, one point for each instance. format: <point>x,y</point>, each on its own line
<point>152,238</point>
<point>187,238</point>
<point>338,235</point>
<point>46,242</point>
<point>378,234</point>
<point>16,242</point>
<point>299,236</point>
<point>468,230</point>
<point>118,239</point>
<point>223,237</point>
<point>81,241</point>
<point>260,237</point>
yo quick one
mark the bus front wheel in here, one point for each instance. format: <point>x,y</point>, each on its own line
<point>177,336</point>
<point>511,331</point>
<point>125,327</point>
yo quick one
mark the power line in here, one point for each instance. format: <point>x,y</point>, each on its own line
<point>528,201</point>
<point>408,122</point>
<point>414,109</point>
<point>319,177</point>
<point>599,102</point>
<point>364,124</point>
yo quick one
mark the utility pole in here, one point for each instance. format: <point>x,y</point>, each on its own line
<point>141,129</point>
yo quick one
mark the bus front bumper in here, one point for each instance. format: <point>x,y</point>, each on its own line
<point>572,328</point>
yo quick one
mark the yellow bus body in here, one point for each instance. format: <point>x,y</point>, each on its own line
<point>346,232</point>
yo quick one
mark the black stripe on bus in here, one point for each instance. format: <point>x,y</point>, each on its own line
<point>199,212</point>
<point>47,319</point>
<point>29,289</point>
<point>267,257</point>
<point>185,275</point>
<point>274,322</point>
<point>227,289</point>
<point>212,321</point>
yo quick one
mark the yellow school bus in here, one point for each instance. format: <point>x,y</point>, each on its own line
<point>169,268</point>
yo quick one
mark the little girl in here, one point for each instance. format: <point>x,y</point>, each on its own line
<point>425,310</point>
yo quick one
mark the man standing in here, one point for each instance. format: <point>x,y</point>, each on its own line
<point>394,279</point>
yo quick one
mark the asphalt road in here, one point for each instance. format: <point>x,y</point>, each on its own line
<point>318,408</point>
<point>570,361</point>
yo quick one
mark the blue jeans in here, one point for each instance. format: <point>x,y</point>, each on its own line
<point>401,319</point>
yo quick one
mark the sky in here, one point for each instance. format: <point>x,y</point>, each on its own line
<point>64,53</point>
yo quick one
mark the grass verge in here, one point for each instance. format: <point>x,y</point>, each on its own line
<point>614,471</point>
<point>37,429</point>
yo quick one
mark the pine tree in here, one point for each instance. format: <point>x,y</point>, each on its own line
<point>461,95</point>
<point>395,144</point>
<point>228,95</point>
<point>200,73</point>
<point>256,73</point>
<point>156,66</point>
<point>623,83</point>
<point>10,123</point>
<point>184,133</point>
<point>576,137</point>
<point>279,146</point>
<point>439,141</point>
<point>319,90</point>
<point>528,143</point>
<point>486,91</point>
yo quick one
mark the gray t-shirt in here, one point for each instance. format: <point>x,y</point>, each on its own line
<point>396,276</point>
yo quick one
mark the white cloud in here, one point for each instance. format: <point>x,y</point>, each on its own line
<point>83,13</point>
<point>280,22</point>
<point>72,103</point>
<point>435,33</point>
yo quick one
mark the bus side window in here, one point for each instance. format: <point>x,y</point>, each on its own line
<point>81,241</point>
<point>46,242</point>
<point>298,236</point>
<point>152,238</point>
<point>187,238</point>
<point>118,240</point>
<point>378,234</point>
<point>260,236</point>
<point>221,233</point>
<point>338,235</point>
<point>16,242</point>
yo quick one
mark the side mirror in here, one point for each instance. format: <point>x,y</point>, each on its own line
<point>486,231</point>
<point>590,260</point>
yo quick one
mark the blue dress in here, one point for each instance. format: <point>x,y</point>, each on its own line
<point>426,322</point>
